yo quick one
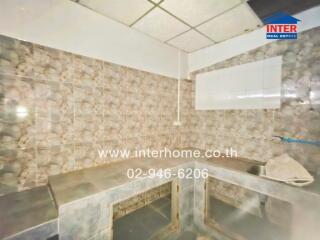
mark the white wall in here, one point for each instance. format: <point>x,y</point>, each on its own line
<point>68,26</point>
<point>65,25</point>
<point>235,46</point>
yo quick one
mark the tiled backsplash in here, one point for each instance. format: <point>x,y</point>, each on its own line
<point>250,131</point>
<point>58,109</point>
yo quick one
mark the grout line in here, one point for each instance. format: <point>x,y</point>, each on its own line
<point>35,134</point>
<point>177,35</point>
<point>150,10</point>
<point>99,13</point>
<point>190,26</point>
<point>156,4</point>
<point>19,233</point>
<point>208,20</point>
<point>145,14</point>
<point>168,43</point>
<point>53,197</point>
<point>103,105</point>
<point>179,84</point>
<point>195,27</point>
<point>73,113</point>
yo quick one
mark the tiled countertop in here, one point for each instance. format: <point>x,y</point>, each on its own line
<point>234,172</point>
<point>23,210</point>
<point>75,185</point>
<point>20,211</point>
<point>243,165</point>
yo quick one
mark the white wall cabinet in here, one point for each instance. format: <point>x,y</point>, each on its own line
<point>255,85</point>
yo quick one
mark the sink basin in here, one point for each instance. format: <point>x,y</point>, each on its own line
<point>258,170</point>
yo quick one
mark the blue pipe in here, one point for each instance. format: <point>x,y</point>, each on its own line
<point>294,140</point>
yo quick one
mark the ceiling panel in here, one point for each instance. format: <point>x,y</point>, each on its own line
<point>195,12</point>
<point>230,24</point>
<point>190,41</point>
<point>124,11</point>
<point>160,25</point>
<point>156,1</point>
<point>178,22</point>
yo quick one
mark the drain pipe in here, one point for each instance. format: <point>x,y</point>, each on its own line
<point>177,122</point>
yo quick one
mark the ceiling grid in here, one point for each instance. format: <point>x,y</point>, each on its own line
<point>188,25</point>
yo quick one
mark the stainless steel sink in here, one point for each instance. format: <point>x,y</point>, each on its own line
<point>258,170</point>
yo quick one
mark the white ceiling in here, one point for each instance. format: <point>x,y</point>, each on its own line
<point>230,24</point>
<point>124,11</point>
<point>190,41</point>
<point>160,25</point>
<point>195,12</point>
<point>185,24</point>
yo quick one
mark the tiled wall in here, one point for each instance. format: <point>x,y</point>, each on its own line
<point>235,196</point>
<point>250,131</point>
<point>141,200</point>
<point>58,109</point>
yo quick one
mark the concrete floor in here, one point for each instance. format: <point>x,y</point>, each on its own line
<point>144,222</point>
<point>249,226</point>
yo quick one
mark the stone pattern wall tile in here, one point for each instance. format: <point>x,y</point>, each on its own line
<point>58,109</point>
<point>250,131</point>
<point>132,204</point>
<point>235,196</point>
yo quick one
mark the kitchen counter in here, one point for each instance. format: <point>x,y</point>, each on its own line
<point>33,208</point>
<point>242,165</point>
<point>75,185</point>
<point>25,210</point>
